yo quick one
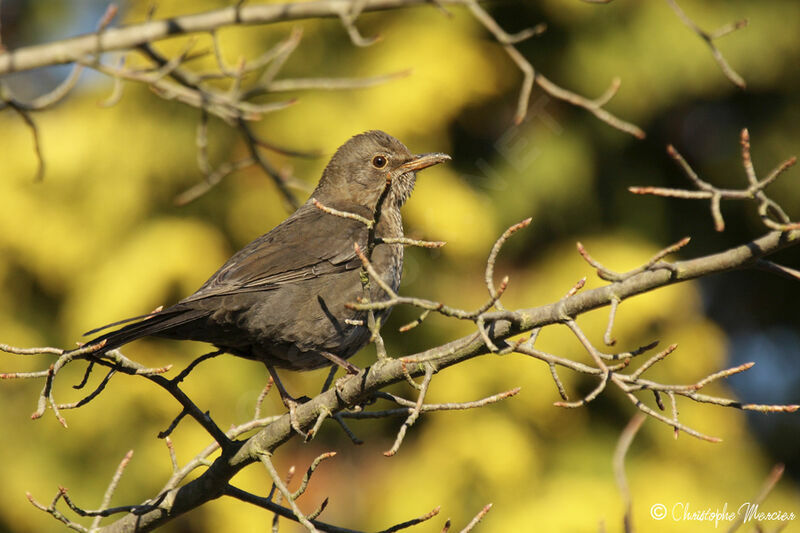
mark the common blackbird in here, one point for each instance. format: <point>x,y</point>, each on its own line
<point>281,299</point>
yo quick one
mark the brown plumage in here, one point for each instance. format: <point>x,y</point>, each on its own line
<point>281,299</point>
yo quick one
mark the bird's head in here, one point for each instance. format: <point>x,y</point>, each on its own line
<point>366,164</point>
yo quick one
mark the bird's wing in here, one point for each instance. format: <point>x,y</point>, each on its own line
<point>306,245</point>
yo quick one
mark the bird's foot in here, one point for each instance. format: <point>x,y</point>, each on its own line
<point>289,402</point>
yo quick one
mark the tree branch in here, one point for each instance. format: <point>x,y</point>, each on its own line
<point>359,388</point>
<point>134,35</point>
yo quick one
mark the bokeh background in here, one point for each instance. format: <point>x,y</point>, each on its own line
<point>100,238</point>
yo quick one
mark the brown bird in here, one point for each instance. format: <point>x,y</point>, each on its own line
<point>281,299</point>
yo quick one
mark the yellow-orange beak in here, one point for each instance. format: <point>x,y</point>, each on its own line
<point>423,161</point>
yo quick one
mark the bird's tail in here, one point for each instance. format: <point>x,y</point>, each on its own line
<point>166,323</point>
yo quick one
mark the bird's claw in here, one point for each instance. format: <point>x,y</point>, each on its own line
<point>291,404</point>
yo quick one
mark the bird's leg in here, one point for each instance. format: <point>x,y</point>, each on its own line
<point>288,401</point>
<point>329,379</point>
<point>332,372</point>
<point>350,368</point>
<point>338,416</point>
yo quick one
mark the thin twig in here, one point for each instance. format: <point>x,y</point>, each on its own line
<point>769,483</point>
<point>478,517</point>
<point>307,477</point>
<point>767,208</point>
<point>412,417</point>
<point>731,74</point>
<point>112,487</point>
<point>276,479</point>
<point>623,445</point>
<point>413,522</point>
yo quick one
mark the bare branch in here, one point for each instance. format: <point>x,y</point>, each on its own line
<point>772,479</point>
<point>276,479</point>
<point>768,209</point>
<point>426,407</point>
<point>424,518</point>
<point>344,214</point>
<point>9,101</point>
<point>55,513</point>
<point>623,445</point>
<point>612,314</point>
<point>307,477</point>
<point>423,390</point>
<point>595,107</point>
<point>654,263</point>
<point>478,517</point>
<point>279,510</point>
<point>709,38</point>
<point>489,274</point>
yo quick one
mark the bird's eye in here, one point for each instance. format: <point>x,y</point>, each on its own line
<point>379,161</point>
